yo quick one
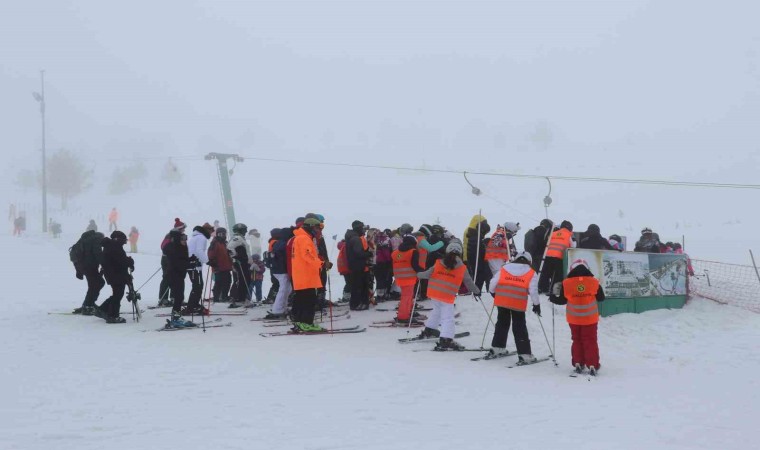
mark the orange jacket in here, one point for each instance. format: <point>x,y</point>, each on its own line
<point>494,251</point>
<point>305,262</point>
<point>512,290</point>
<point>444,283</point>
<point>580,293</point>
<point>558,243</point>
<point>402,268</point>
<point>113,216</point>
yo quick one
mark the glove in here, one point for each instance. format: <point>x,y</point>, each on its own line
<point>80,276</point>
<point>537,310</point>
<point>328,265</point>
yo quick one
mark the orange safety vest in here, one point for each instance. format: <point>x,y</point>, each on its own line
<point>558,243</point>
<point>402,268</point>
<point>580,293</point>
<point>512,290</point>
<point>494,251</point>
<point>444,283</point>
<point>421,254</point>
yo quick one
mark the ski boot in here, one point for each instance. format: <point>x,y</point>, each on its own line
<point>429,333</point>
<point>306,327</point>
<point>234,304</point>
<point>526,359</point>
<point>115,319</point>
<point>274,316</point>
<point>78,310</point>
<point>197,310</point>
<point>592,371</point>
<point>578,368</point>
<point>178,322</point>
<point>496,352</point>
<point>88,310</point>
<point>447,344</point>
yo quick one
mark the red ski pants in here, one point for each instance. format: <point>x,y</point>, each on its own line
<point>405,306</point>
<point>585,348</point>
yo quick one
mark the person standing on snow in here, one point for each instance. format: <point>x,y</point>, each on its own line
<point>134,236</point>
<point>551,271</point>
<point>592,239</point>
<point>177,264</point>
<point>274,233</point>
<point>221,262</point>
<point>344,271</point>
<point>445,278</point>
<point>511,288</point>
<point>196,247</point>
<point>306,266</point>
<point>405,268</point>
<point>241,258</point>
<point>89,249</point>
<point>113,219</point>
<point>582,292</point>
<point>164,288</point>
<point>319,241</point>
<point>279,270</point>
<point>358,255</point>
<point>475,250</point>
<point>424,248</point>
<point>501,247</point>
<point>257,277</point>
<point>383,269</point>
<point>117,268</point>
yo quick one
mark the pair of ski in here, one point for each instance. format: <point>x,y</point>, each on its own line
<point>286,319</point>
<point>197,326</point>
<point>285,323</point>
<point>396,309</point>
<point>213,313</point>
<point>349,330</point>
<point>69,313</point>
<point>589,376</point>
<point>489,356</point>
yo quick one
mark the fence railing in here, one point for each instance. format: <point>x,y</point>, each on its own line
<point>730,284</point>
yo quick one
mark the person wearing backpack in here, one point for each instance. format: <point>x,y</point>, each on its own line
<point>535,242</point>
<point>87,254</point>
<point>117,267</point>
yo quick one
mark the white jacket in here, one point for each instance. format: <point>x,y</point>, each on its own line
<point>255,243</point>
<point>196,246</point>
<point>518,270</point>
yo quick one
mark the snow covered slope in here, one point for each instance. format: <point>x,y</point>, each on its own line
<point>682,379</point>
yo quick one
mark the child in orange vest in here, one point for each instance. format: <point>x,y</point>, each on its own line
<point>445,277</point>
<point>405,269</point>
<point>581,292</point>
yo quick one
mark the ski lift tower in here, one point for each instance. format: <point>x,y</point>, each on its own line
<point>224,183</point>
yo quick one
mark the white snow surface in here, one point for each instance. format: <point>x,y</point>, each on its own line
<point>670,379</point>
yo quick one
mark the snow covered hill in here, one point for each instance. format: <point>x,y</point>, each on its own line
<point>681,379</point>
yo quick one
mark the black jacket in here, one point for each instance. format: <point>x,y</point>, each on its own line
<point>177,257</point>
<point>484,271</point>
<point>580,271</point>
<point>593,240</point>
<point>355,253</point>
<point>116,263</point>
<point>92,244</point>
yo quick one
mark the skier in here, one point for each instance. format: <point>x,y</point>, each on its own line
<point>592,239</point>
<point>648,243</point>
<point>134,236</point>
<point>164,295</point>
<point>196,247</point>
<point>551,271</point>
<point>274,233</point>
<point>113,218</point>
<point>473,257</point>
<point>344,271</point>
<point>221,262</point>
<point>87,254</point>
<point>405,268</point>
<point>241,259</point>
<point>445,278</point>
<point>424,248</point>
<point>117,269</point>
<point>319,241</point>
<point>358,254</point>
<point>257,277</point>
<point>280,272</point>
<point>536,240</point>
<point>581,292</point>
<point>177,265</point>
<point>383,269</point>
<point>306,266</point>
<point>515,283</point>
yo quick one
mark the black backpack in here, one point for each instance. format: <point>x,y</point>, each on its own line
<point>269,258</point>
<point>530,241</point>
<point>76,254</point>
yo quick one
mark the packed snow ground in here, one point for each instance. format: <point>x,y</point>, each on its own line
<point>681,379</point>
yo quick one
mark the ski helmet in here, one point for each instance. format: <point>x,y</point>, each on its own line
<point>524,255</point>
<point>119,237</point>
<point>221,232</point>
<point>512,227</point>
<point>405,229</point>
<point>454,247</point>
<point>240,228</point>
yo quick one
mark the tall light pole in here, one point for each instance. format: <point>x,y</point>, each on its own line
<point>40,97</point>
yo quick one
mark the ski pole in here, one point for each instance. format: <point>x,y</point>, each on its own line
<point>329,299</point>
<point>150,278</point>
<point>547,340</point>
<point>414,304</point>
<point>485,332</point>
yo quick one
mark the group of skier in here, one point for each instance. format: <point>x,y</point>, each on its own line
<point>413,266</point>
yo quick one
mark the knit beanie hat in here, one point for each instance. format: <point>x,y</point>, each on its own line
<point>357,225</point>
<point>410,241</point>
<point>454,247</point>
<point>178,224</point>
